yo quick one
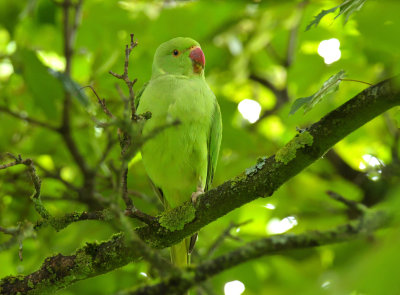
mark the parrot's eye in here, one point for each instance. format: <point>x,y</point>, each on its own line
<point>175,52</point>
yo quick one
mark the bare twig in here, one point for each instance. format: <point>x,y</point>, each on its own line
<point>110,143</point>
<point>137,214</point>
<point>18,235</point>
<point>125,77</point>
<point>225,234</point>
<point>24,117</point>
<point>125,197</point>
<point>102,102</point>
<point>359,208</point>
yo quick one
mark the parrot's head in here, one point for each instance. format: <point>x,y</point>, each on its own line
<point>179,56</point>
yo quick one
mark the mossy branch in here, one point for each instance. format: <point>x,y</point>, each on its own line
<point>268,174</point>
<point>94,259</point>
<point>258,181</point>
<point>179,283</point>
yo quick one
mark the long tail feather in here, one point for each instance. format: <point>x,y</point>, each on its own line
<point>179,254</point>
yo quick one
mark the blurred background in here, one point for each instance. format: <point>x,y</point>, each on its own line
<point>259,60</point>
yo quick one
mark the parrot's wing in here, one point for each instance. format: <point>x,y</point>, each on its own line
<point>139,95</point>
<point>159,194</point>
<point>156,189</point>
<point>213,144</point>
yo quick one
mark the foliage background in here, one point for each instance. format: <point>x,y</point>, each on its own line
<point>237,37</point>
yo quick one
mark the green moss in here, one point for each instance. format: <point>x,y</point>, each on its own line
<point>31,284</point>
<point>83,263</point>
<point>176,218</point>
<point>288,152</point>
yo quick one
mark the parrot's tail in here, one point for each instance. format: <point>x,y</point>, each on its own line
<point>180,253</point>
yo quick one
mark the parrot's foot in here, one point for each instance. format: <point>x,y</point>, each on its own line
<point>197,193</point>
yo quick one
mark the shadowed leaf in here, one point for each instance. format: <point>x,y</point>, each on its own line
<point>329,86</point>
<point>347,8</point>
<point>71,86</point>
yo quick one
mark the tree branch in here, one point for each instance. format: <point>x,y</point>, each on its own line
<point>27,119</point>
<point>178,284</point>
<point>258,181</point>
<point>270,173</point>
<point>94,259</point>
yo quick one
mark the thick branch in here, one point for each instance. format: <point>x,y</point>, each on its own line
<point>59,271</point>
<point>269,173</point>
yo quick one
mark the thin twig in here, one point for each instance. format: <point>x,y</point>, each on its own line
<point>107,149</point>
<point>26,118</point>
<point>137,214</point>
<point>225,234</point>
<point>358,81</point>
<point>352,205</point>
<point>125,77</point>
<point>102,102</point>
<point>125,196</point>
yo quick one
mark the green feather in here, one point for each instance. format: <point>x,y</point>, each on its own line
<point>181,158</point>
<point>214,143</point>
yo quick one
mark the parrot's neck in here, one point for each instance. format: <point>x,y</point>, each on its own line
<point>157,72</point>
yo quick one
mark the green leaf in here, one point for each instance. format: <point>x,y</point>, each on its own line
<point>298,103</point>
<point>331,85</point>
<point>45,89</point>
<point>347,8</point>
<point>320,15</point>
<point>71,87</point>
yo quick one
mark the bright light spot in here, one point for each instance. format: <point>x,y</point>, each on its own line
<point>6,69</point>
<point>235,46</point>
<point>98,131</point>
<point>143,274</point>
<point>272,127</point>
<point>11,47</point>
<point>46,161</point>
<point>276,226</point>
<point>52,60</point>
<point>362,166</point>
<point>238,229</point>
<point>269,206</point>
<point>326,284</point>
<point>234,288</point>
<point>329,50</point>
<point>67,173</point>
<point>375,178</point>
<point>250,110</point>
<point>371,160</point>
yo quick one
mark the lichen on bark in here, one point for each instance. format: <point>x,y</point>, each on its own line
<point>288,152</point>
<point>176,218</point>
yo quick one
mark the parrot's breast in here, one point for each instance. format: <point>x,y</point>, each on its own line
<point>176,158</point>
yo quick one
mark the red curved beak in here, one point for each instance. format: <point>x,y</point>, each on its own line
<point>197,56</point>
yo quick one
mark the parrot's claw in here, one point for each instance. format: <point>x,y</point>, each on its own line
<point>197,193</point>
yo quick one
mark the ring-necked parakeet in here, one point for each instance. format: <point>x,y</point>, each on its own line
<point>180,160</point>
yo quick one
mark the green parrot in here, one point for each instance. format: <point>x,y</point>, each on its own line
<point>181,160</point>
